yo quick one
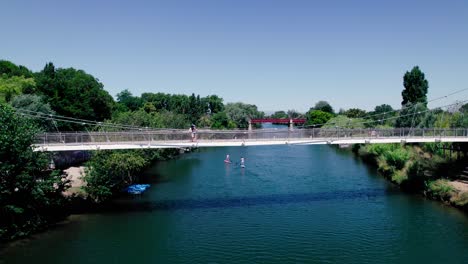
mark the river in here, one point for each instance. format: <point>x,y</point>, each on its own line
<point>291,204</point>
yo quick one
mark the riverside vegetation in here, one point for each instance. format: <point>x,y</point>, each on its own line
<point>418,168</point>
<point>31,194</point>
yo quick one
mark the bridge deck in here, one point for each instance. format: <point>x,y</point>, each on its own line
<point>209,138</point>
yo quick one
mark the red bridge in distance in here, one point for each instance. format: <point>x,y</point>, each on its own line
<point>278,120</point>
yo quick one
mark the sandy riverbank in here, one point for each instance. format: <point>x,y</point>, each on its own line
<point>75,175</point>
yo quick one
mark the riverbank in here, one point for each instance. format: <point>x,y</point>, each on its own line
<point>419,169</point>
<point>75,176</point>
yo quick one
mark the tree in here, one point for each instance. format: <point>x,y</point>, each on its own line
<point>10,69</point>
<point>215,104</point>
<point>355,113</point>
<point>415,87</point>
<point>344,122</point>
<point>109,172</point>
<point>74,93</point>
<point>241,113</point>
<point>220,121</point>
<point>35,106</point>
<point>381,110</point>
<point>294,114</point>
<point>30,195</point>
<point>464,109</point>
<point>412,115</point>
<point>131,102</point>
<point>324,106</point>
<point>279,114</point>
<point>317,117</point>
<point>15,85</point>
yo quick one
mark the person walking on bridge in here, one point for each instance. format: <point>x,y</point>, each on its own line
<point>193,131</point>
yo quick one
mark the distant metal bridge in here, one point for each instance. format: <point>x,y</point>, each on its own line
<point>173,138</point>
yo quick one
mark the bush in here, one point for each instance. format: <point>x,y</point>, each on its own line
<point>440,189</point>
<point>397,158</point>
<point>384,168</point>
<point>108,172</point>
<point>461,199</point>
<point>379,149</point>
<point>399,177</point>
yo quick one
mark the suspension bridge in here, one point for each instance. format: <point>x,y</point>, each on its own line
<point>153,139</point>
<point>123,136</point>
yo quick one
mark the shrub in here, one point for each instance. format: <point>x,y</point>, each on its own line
<point>399,177</point>
<point>461,199</point>
<point>397,158</point>
<point>440,189</point>
<point>379,149</point>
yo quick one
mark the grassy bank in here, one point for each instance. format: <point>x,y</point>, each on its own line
<point>419,168</point>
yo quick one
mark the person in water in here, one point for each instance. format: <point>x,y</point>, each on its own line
<point>227,160</point>
<point>242,162</point>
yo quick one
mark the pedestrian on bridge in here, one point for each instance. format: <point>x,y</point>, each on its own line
<point>193,131</point>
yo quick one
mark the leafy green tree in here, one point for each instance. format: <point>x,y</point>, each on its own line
<point>355,113</point>
<point>160,100</point>
<point>131,102</point>
<point>279,114</point>
<point>195,110</point>
<point>74,93</point>
<point>139,118</point>
<point>464,108</point>
<point>412,115</point>
<point>324,106</point>
<point>33,105</point>
<point>241,113</point>
<point>432,118</point>
<point>317,117</point>
<point>10,69</point>
<point>205,121</point>
<point>30,195</point>
<point>215,104</point>
<point>110,171</point>
<point>342,121</point>
<point>15,85</point>
<point>174,120</point>
<point>459,120</point>
<point>382,111</point>
<point>416,87</point>
<point>294,114</point>
<point>220,120</point>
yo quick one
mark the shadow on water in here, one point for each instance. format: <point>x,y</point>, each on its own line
<point>274,199</point>
<point>155,173</point>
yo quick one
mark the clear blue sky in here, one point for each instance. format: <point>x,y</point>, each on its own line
<point>278,55</point>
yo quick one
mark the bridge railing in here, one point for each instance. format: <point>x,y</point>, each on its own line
<point>167,136</point>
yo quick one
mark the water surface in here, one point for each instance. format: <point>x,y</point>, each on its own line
<point>291,204</point>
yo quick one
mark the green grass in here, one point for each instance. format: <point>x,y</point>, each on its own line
<point>440,189</point>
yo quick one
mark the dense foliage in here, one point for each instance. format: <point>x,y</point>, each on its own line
<point>416,87</point>
<point>317,118</point>
<point>74,93</point>
<point>30,194</point>
<point>108,172</point>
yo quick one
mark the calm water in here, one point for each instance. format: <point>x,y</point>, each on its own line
<point>292,204</point>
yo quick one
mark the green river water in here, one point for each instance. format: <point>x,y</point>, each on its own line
<point>291,204</point>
